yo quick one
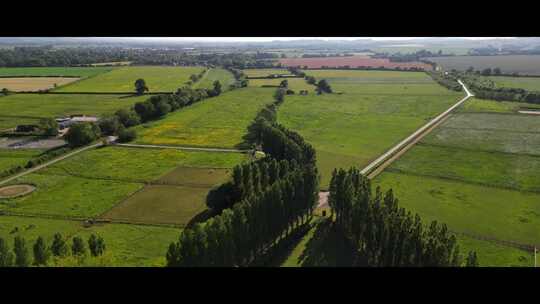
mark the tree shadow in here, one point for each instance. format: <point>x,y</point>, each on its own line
<point>129,96</point>
<point>201,217</point>
<point>328,247</point>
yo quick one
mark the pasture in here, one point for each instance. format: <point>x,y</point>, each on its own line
<point>350,61</point>
<point>295,84</point>
<point>217,122</point>
<point>475,105</point>
<point>28,108</point>
<point>354,128</point>
<point>521,64</point>
<point>82,72</point>
<point>10,158</point>
<point>527,83</point>
<point>127,245</point>
<point>265,72</point>
<point>157,78</point>
<point>33,84</point>
<point>223,76</point>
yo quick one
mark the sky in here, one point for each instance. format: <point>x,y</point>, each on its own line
<point>268,39</point>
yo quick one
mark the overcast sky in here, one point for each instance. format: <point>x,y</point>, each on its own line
<point>266,39</point>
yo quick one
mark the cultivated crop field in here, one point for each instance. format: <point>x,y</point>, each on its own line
<point>477,172</point>
<point>33,84</point>
<point>82,72</point>
<point>157,78</point>
<point>521,64</point>
<point>217,122</point>
<point>355,127</point>
<point>20,108</point>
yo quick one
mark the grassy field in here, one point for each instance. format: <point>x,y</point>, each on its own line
<point>223,76</point>
<point>499,213</point>
<point>22,108</point>
<point>217,122</point>
<point>522,64</point>
<point>10,158</point>
<point>157,78</point>
<point>264,72</point>
<point>55,71</point>
<point>354,128</point>
<point>475,105</point>
<point>138,164</point>
<point>295,84</point>
<point>527,83</point>
<point>33,84</point>
<point>129,245</point>
<point>68,196</point>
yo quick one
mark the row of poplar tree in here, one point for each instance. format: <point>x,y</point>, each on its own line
<point>20,256</point>
<point>385,234</point>
<point>272,197</point>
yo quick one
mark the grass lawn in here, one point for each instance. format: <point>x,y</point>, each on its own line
<point>223,76</point>
<point>157,78</point>
<point>138,164</point>
<point>352,129</point>
<point>55,71</point>
<point>68,195</point>
<point>216,122</point>
<point>20,108</point>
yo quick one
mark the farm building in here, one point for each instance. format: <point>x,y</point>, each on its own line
<point>66,122</point>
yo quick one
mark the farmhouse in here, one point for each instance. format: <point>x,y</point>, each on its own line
<point>66,122</point>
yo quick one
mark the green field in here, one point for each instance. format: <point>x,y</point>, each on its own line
<point>527,83</point>
<point>157,78</point>
<point>223,76</point>
<point>265,72</point>
<point>138,164</point>
<point>217,122</point>
<point>10,158</point>
<point>68,196</point>
<point>129,245</point>
<point>295,84</point>
<point>522,64</point>
<point>54,71</point>
<point>354,128</point>
<point>21,108</point>
<point>475,105</point>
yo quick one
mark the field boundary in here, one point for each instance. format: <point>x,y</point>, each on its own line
<point>225,150</point>
<point>525,247</point>
<point>410,140</point>
<point>476,150</point>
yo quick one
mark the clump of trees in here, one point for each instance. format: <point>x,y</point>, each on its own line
<point>82,134</point>
<point>48,126</point>
<point>42,253</point>
<point>485,88</point>
<point>448,81</point>
<point>323,87</point>
<point>384,234</point>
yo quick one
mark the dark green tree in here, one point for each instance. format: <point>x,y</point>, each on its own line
<point>41,252</point>
<point>6,256</point>
<point>140,86</point>
<point>22,256</point>
<point>77,247</point>
<point>49,126</point>
<point>82,134</point>
<point>59,246</point>
<point>96,245</point>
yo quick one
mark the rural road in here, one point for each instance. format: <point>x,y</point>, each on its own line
<point>183,148</point>
<point>34,169</point>
<point>376,166</point>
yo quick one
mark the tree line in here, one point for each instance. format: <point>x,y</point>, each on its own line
<point>448,81</point>
<point>241,234</point>
<point>42,253</point>
<point>385,234</point>
<point>265,202</point>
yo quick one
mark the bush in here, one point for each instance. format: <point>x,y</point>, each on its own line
<point>109,125</point>
<point>128,118</point>
<point>126,135</point>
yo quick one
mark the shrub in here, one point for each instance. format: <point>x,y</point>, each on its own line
<point>126,135</point>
